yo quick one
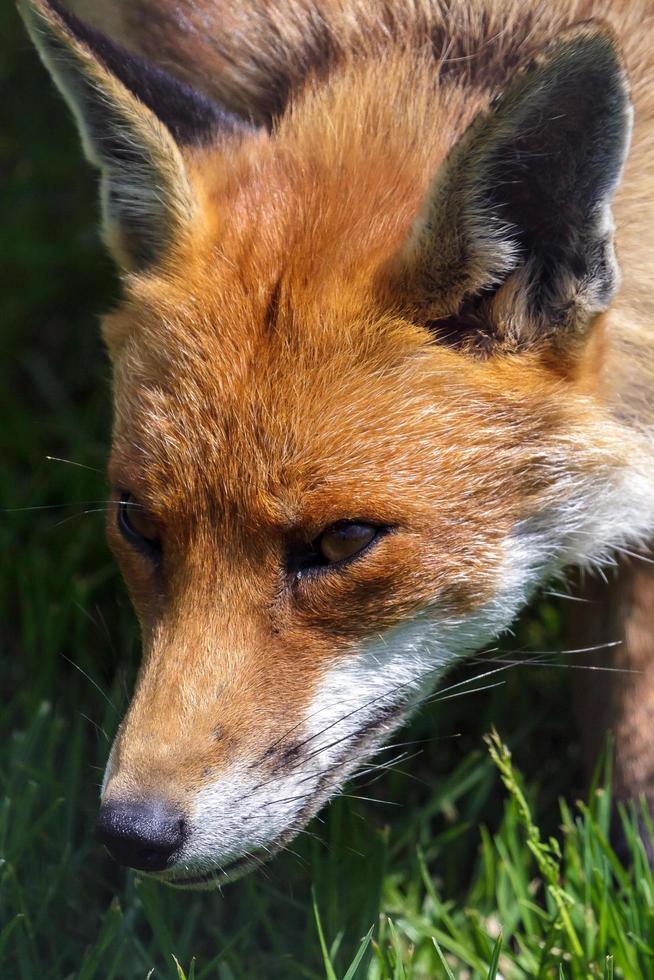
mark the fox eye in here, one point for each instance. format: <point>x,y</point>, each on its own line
<point>137,526</point>
<point>337,544</point>
<point>345,540</point>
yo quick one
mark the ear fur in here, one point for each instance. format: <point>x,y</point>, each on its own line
<point>133,119</point>
<point>524,199</point>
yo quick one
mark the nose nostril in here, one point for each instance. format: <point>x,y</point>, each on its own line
<point>143,835</point>
<point>148,857</point>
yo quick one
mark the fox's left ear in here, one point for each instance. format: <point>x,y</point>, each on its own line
<point>135,121</point>
<point>515,240</point>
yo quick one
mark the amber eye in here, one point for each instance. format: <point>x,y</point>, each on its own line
<point>345,540</point>
<point>137,526</point>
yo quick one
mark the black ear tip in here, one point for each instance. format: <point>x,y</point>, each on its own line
<point>48,9</point>
<point>58,8</point>
<point>77,28</point>
<point>190,116</point>
<point>46,17</point>
<point>593,45</point>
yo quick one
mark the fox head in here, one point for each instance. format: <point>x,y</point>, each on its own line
<point>358,416</point>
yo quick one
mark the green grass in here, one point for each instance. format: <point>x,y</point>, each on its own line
<point>458,871</point>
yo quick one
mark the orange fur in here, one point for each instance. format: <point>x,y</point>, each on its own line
<point>271,379</point>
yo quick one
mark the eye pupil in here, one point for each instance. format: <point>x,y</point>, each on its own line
<point>135,523</point>
<point>345,541</point>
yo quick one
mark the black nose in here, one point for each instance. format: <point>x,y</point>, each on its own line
<point>143,835</point>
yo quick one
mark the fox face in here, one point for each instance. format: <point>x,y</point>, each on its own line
<point>357,418</point>
<point>306,554</point>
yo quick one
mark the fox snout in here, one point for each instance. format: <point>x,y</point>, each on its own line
<point>197,801</point>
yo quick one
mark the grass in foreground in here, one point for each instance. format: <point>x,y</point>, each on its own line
<point>440,867</point>
<point>535,906</point>
<point>565,906</point>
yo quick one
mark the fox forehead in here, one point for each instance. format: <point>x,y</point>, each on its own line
<point>328,414</point>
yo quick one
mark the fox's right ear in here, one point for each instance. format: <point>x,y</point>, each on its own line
<point>134,121</point>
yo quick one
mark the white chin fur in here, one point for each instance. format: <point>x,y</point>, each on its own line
<point>362,698</point>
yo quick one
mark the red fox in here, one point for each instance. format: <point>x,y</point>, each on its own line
<point>377,375</point>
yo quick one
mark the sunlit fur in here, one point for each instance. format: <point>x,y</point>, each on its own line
<point>270,379</point>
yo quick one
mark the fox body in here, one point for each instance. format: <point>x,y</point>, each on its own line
<point>377,372</point>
